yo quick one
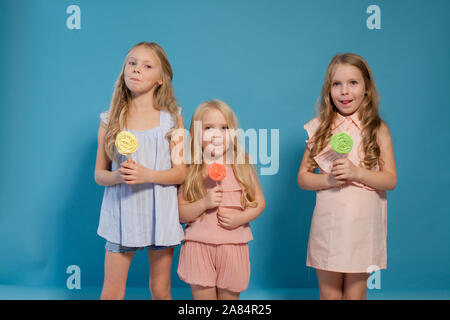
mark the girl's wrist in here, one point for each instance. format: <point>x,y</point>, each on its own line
<point>359,174</point>
<point>148,175</point>
<point>117,177</point>
<point>242,220</point>
<point>202,204</point>
<point>328,178</point>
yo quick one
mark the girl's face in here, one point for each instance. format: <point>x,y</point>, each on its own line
<point>347,89</point>
<point>142,71</point>
<point>215,133</point>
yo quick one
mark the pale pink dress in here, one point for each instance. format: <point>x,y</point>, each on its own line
<point>349,224</point>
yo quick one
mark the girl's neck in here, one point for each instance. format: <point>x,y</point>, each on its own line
<point>356,113</point>
<point>142,102</point>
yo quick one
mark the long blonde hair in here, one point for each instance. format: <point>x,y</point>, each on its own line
<point>368,112</point>
<point>164,99</point>
<point>194,188</point>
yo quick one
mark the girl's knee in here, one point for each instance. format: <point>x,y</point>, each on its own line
<point>160,290</point>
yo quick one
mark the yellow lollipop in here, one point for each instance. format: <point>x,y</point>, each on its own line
<point>126,143</point>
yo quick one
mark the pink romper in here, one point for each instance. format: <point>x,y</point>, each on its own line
<point>349,224</point>
<point>212,256</point>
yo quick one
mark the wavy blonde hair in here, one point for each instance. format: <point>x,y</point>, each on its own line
<point>164,99</point>
<point>368,112</point>
<point>194,188</point>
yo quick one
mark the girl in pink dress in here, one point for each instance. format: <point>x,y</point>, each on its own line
<point>348,232</point>
<point>214,258</point>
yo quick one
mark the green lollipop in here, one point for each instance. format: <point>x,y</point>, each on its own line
<point>341,142</point>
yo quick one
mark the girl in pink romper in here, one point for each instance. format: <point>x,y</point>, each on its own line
<point>214,258</point>
<point>348,232</point>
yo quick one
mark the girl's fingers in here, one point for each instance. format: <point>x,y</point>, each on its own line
<point>339,161</point>
<point>220,224</point>
<point>223,224</point>
<point>337,172</point>
<point>128,177</point>
<point>341,177</point>
<point>221,217</point>
<point>125,171</point>
<point>340,166</point>
<point>128,165</point>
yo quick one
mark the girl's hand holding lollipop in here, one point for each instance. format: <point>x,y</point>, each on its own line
<point>343,168</point>
<point>341,145</point>
<point>126,143</point>
<point>213,198</point>
<point>131,172</point>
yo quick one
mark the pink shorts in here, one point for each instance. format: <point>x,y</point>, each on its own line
<point>226,266</point>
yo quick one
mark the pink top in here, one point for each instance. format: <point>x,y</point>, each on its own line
<point>349,224</point>
<point>206,228</point>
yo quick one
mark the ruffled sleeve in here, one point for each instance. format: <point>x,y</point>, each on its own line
<point>104,116</point>
<point>311,127</point>
<point>171,121</point>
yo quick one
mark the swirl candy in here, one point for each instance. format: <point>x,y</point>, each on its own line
<point>341,143</point>
<point>216,172</point>
<point>126,143</point>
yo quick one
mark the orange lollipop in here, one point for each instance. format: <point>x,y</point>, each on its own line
<point>216,172</point>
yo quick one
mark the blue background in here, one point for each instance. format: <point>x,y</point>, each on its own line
<point>267,60</point>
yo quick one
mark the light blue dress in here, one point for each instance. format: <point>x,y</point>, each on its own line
<point>143,214</point>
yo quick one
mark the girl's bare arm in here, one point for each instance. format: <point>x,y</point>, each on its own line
<point>103,175</point>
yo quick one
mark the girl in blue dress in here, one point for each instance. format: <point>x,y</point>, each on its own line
<point>139,208</point>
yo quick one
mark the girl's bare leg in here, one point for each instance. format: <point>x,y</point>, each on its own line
<point>223,294</point>
<point>204,293</point>
<point>116,273</point>
<point>355,286</point>
<point>331,284</point>
<point>160,264</point>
